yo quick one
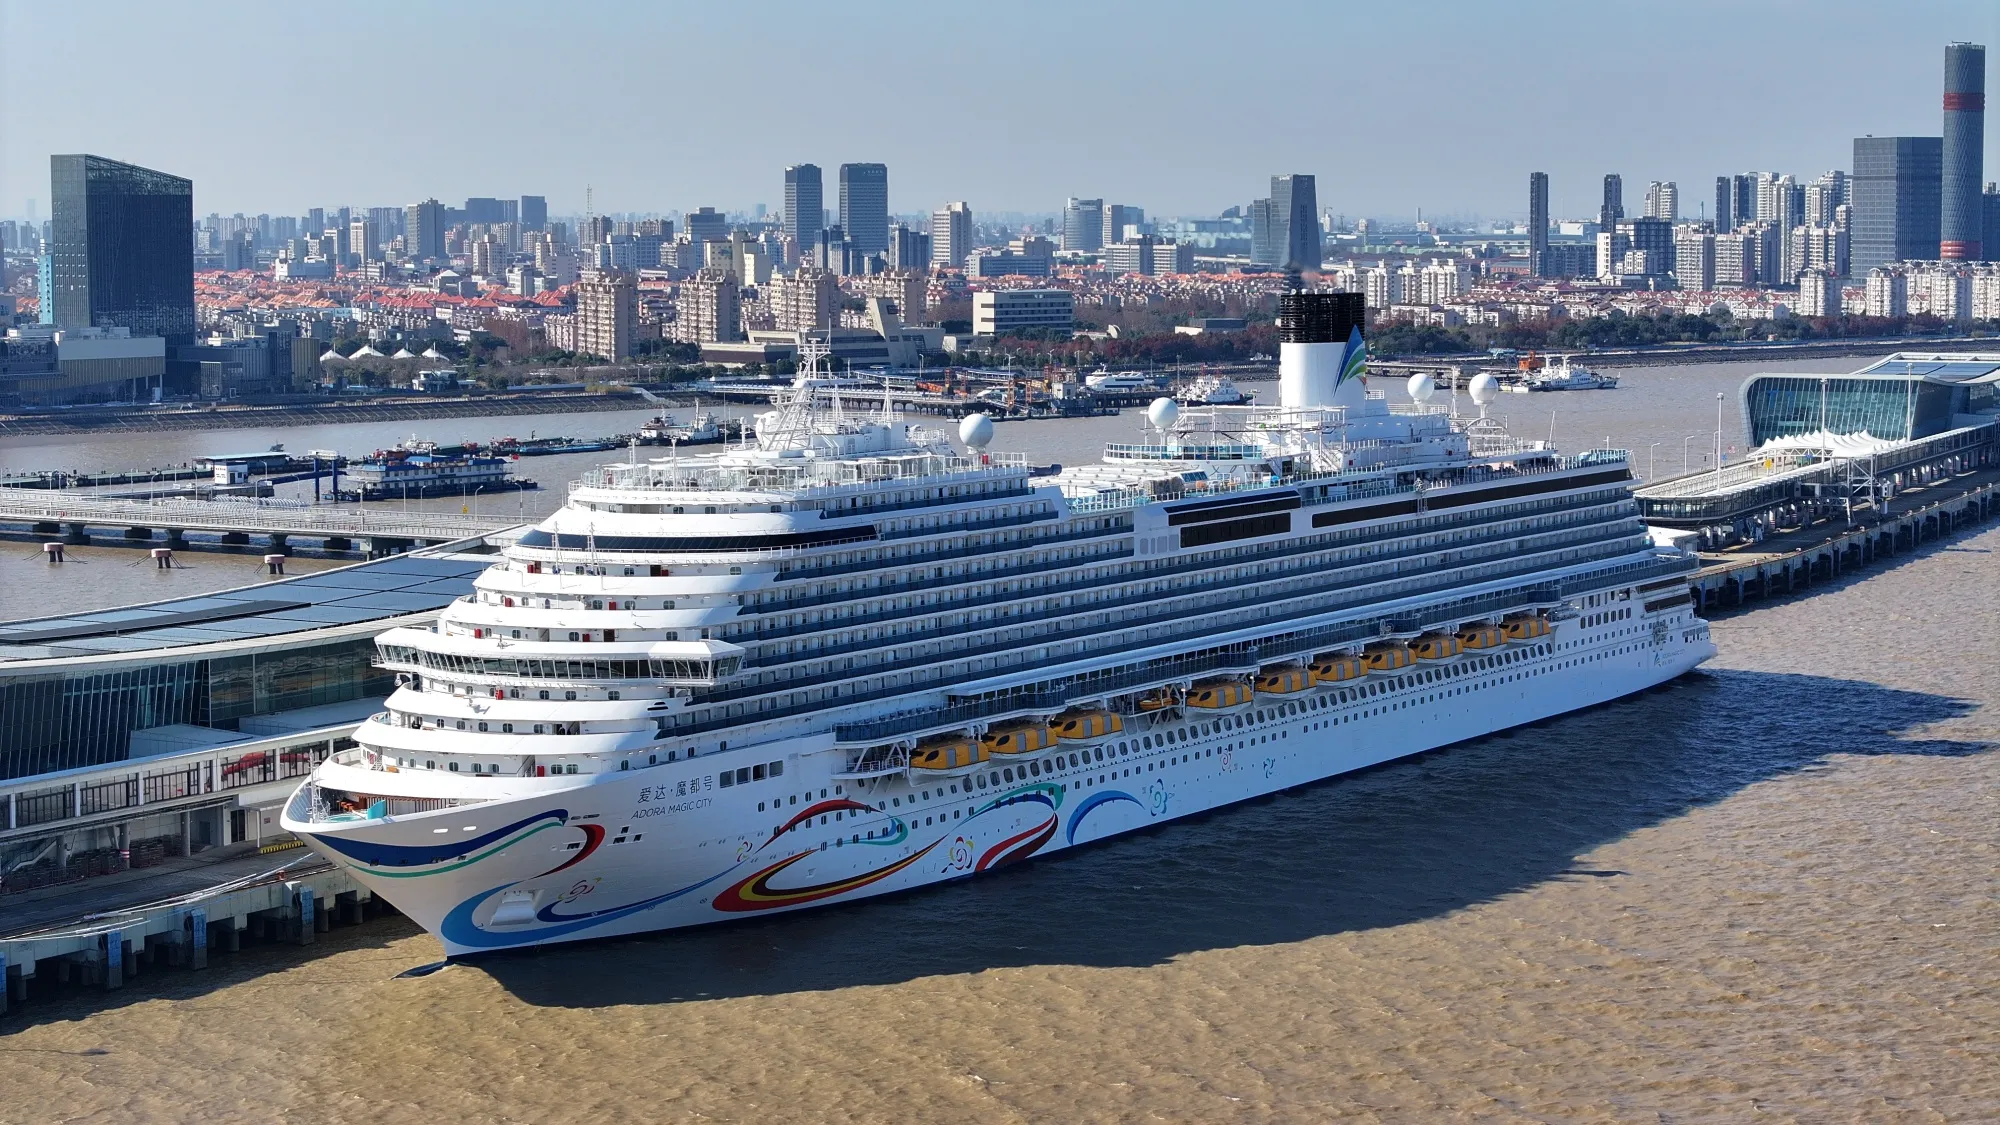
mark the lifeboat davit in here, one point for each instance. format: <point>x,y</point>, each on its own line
<point>1026,738</point>
<point>1283,679</point>
<point>1482,636</point>
<point>1387,657</point>
<point>1220,695</point>
<point>945,755</point>
<point>1526,627</point>
<point>1158,701</point>
<point>1337,669</point>
<point>1087,726</point>
<point>1437,646</point>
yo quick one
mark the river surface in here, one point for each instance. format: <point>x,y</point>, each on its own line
<point>1763,893</point>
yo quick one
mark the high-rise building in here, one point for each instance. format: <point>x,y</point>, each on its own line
<point>1897,189</point>
<point>1744,208</point>
<point>1267,246</point>
<point>534,211</point>
<point>805,203</point>
<point>1538,223</point>
<point>606,310</point>
<point>951,235</point>
<point>709,308</point>
<point>908,249</point>
<point>1725,196</point>
<point>1611,209</point>
<point>1663,201</point>
<point>1295,205</point>
<point>364,240</point>
<point>1118,216</point>
<point>864,206</point>
<point>1654,236</point>
<point>1694,260</point>
<point>706,225</point>
<point>121,247</point>
<point>1819,294</point>
<point>484,210</point>
<point>1959,218</point>
<point>807,301</point>
<point>424,223</point>
<point>1989,210</point>
<point>1083,225</point>
<point>1823,196</point>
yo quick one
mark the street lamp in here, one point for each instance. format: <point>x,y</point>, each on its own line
<point>1718,430</point>
<point>1684,452</point>
<point>1652,458</point>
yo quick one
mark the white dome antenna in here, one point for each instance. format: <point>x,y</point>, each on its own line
<point>976,431</point>
<point>1484,388</point>
<point>1163,413</point>
<point>1421,387</point>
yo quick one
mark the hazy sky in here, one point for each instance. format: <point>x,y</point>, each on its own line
<point>1181,108</point>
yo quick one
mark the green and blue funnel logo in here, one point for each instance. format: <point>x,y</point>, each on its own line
<point>1354,361</point>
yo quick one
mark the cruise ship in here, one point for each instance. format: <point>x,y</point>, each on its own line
<point>851,657</point>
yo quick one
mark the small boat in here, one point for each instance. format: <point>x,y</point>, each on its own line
<point>1087,726</point>
<point>1482,636</point>
<point>659,430</point>
<point>1022,738</point>
<point>1437,646</point>
<point>1120,382</point>
<point>1283,679</point>
<point>1525,627</point>
<point>1337,669</point>
<point>1220,695</point>
<point>1387,657</point>
<point>948,754</point>
<point>1567,378</point>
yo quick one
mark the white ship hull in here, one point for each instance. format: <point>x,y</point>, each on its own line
<point>664,847</point>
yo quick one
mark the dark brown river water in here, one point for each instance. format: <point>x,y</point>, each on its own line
<point>1764,893</point>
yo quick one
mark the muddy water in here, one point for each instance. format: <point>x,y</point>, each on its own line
<point>1763,893</point>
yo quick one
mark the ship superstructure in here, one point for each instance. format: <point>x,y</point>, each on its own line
<point>850,657</point>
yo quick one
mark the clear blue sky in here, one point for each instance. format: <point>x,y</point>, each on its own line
<point>1181,108</point>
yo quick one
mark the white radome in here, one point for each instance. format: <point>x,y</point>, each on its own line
<point>1484,388</point>
<point>1421,387</point>
<point>976,431</point>
<point>1163,413</point>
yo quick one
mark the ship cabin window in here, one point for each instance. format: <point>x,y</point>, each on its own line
<point>572,636</point>
<point>539,728</point>
<point>430,765</point>
<point>569,695</point>
<point>596,603</point>
<point>506,728</point>
<point>628,572</point>
<point>610,695</point>
<point>454,767</point>
<point>543,694</point>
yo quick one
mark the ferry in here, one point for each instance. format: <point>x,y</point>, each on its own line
<point>853,657</point>
<point>1568,378</point>
<point>1211,390</point>
<point>397,474</point>
<point>1105,381</point>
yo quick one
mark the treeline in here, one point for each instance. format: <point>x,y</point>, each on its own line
<point>1619,330</point>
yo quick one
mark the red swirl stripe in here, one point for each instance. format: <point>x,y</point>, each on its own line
<point>811,811</point>
<point>756,892</point>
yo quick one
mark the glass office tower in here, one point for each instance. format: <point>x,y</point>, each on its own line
<point>121,247</point>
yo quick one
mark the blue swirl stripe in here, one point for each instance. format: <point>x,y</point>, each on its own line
<point>459,929</point>
<point>1091,802</point>
<point>409,855</point>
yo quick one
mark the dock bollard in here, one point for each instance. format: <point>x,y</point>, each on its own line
<point>163,558</point>
<point>52,552</point>
<point>274,563</point>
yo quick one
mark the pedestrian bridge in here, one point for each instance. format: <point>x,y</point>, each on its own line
<point>339,526</point>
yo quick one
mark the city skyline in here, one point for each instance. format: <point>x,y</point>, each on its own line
<point>1403,144</point>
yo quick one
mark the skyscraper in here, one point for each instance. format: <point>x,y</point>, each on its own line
<point>534,212</point>
<point>864,206</point>
<point>805,203</point>
<point>424,224</point>
<point>121,247</point>
<point>1663,200</point>
<point>1613,207</point>
<point>951,235</point>
<point>1538,223</point>
<point>1960,218</point>
<point>909,249</point>
<point>1118,216</point>
<point>1295,206</point>
<point>1725,197</point>
<point>1896,191</point>
<point>1083,224</point>
<point>1266,234</point>
<point>606,310</point>
<point>1744,209</point>
<point>706,225</point>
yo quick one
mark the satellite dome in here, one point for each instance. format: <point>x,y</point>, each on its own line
<point>976,431</point>
<point>1163,413</point>
<point>1421,387</point>
<point>1484,388</point>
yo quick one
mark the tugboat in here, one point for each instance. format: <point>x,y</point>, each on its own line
<point>1212,390</point>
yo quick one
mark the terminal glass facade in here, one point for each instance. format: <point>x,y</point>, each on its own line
<point>62,721</point>
<point>1891,409</point>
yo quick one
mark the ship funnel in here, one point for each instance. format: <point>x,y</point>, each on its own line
<point>1321,355</point>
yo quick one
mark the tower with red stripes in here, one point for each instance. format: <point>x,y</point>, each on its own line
<point>1964,151</point>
